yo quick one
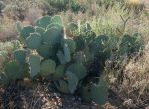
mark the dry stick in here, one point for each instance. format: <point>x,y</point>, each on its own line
<point>124,25</point>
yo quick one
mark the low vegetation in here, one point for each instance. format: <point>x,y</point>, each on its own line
<point>96,50</point>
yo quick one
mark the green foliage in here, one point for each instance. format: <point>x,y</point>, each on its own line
<point>72,64</point>
<point>62,5</point>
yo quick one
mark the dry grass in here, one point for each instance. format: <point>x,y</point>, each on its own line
<point>7,29</point>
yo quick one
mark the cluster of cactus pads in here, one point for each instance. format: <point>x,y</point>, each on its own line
<point>45,53</point>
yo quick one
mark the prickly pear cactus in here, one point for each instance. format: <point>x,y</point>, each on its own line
<point>20,56</point>
<point>43,22</point>
<point>78,69</point>
<point>73,81</point>
<point>44,53</point>
<point>13,71</point>
<point>34,62</point>
<point>59,72</point>
<point>25,32</point>
<point>34,41</point>
<point>97,92</point>
<point>47,67</point>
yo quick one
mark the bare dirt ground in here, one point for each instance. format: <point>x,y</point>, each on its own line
<point>38,96</point>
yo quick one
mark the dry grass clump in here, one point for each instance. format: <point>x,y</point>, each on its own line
<point>133,91</point>
<point>7,29</point>
<point>113,21</point>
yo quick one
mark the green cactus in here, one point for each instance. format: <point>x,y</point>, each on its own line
<point>59,73</point>
<point>43,22</point>
<point>47,51</point>
<point>62,86</point>
<point>47,67</point>
<point>56,20</point>
<point>34,41</point>
<point>34,65</point>
<point>72,82</point>
<point>99,45</point>
<point>71,44</point>
<point>78,69</point>
<point>39,30</point>
<point>130,44</point>
<point>13,71</point>
<point>80,43</point>
<point>67,54</point>
<point>25,32</point>
<point>97,92</point>
<point>52,36</point>
<point>61,57</point>
<point>85,93</point>
<point>58,26</point>
<point>20,56</point>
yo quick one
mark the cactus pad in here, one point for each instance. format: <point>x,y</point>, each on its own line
<point>39,30</point>
<point>62,86</point>
<point>71,44</point>
<point>78,69</point>
<point>13,71</point>
<point>47,67</point>
<point>57,20</point>
<point>59,73</point>
<point>20,56</point>
<point>47,51</point>
<point>34,65</point>
<point>61,57</point>
<point>67,53</point>
<point>52,36</point>
<point>43,22</point>
<point>34,41</point>
<point>25,32</point>
<point>72,81</point>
